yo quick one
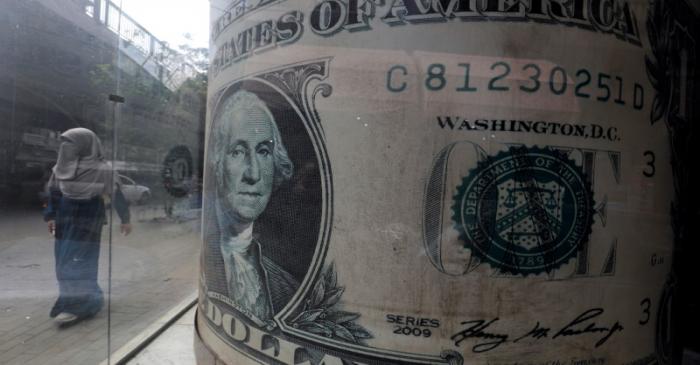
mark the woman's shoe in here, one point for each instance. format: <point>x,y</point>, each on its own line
<point>64,318</point>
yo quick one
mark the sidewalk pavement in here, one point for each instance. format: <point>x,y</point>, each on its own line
<point>173,347</point>
<point>153,269</point>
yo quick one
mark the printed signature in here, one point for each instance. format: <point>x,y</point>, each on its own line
<point>583,324</point>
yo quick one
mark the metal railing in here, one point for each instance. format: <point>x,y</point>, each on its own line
<point>165,64</point>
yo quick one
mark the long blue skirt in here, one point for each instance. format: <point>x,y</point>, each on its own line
<point>77,252</point>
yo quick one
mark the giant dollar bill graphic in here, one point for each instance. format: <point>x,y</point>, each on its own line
<point>442,182</point>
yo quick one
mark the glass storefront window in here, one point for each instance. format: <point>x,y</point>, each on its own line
<point>402,181</point>
<point>135,75</point>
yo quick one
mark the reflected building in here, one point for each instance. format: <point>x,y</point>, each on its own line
<point>59,62</point>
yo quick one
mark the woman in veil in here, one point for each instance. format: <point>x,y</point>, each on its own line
<point>81,183</point>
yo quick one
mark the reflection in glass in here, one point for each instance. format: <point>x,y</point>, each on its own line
<point>59,63</point>
<point>75,213</point>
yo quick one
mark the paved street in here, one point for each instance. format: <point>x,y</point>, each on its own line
<point>153,269</point>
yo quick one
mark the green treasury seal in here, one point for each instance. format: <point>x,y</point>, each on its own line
<point>524,211</point>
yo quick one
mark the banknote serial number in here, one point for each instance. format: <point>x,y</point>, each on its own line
<point>529,78</point>
<point>412,326</point>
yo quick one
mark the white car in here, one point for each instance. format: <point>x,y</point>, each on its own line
<point>133,192</point>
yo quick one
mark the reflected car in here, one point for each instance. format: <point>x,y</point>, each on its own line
<point>133,192</point>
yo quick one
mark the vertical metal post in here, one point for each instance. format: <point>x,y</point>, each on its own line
<point>96,10</point>
<point>115,99</point>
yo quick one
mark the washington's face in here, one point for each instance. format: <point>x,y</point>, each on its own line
<point>248,168</point>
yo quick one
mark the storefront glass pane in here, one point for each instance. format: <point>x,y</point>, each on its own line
<point>114,69</point>
<point>159,138</point>
<point>49,54</point>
